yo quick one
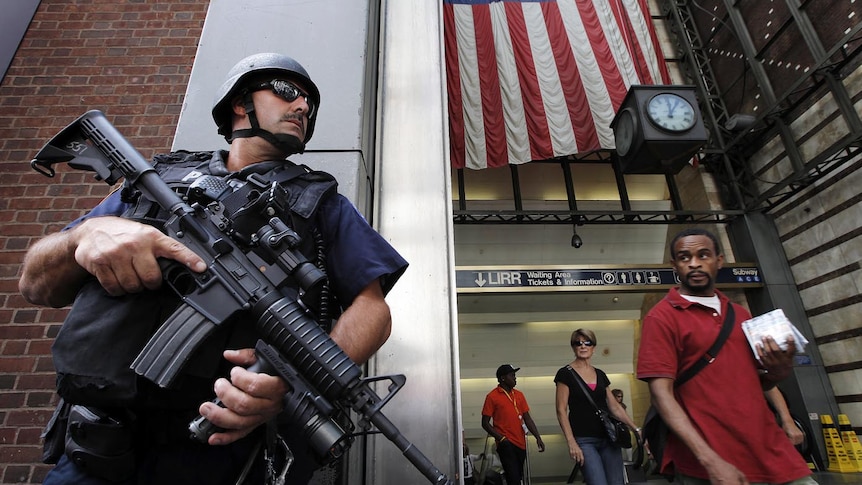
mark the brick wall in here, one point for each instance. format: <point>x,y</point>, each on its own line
<point>129,58</point>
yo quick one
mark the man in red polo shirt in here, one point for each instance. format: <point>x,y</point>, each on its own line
<point>510,413</point>
<point>722,430</point>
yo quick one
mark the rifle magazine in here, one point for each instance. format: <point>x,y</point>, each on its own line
<point>172,345</point>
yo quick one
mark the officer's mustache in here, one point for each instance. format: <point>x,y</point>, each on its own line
<point>293,116</point>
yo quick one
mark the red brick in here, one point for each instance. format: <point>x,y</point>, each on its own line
<point>17,474</point>
<point>39,472</point>
<point>7,436</point>
<point>15,347</point>
<point>132,60</point>
<point>29,417</point>
<point>12,400</point>
<point>53,314</point>
<point>44,364</point>
<point>29,435</point>
<point>7,382</point>
<point>36,381</point>
<point>41,399</point>
<point>24,315</point>
<point>39,347</point>
<point>11,365</point>
<point>21,331</point>
<point>20,454</point>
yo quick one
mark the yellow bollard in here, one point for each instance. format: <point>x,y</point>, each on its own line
<point>838,459</point>
<point>850,440</point>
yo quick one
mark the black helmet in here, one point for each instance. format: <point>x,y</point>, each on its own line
<point>256,64</point>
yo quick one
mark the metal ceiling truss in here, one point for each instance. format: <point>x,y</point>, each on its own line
<point>727,150</point>
<point>581,217</point>
<point>576,216</point>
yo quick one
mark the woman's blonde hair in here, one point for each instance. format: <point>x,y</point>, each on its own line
<point>589,334</point>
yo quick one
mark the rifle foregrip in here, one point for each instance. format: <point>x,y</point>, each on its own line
<point>286,326</point>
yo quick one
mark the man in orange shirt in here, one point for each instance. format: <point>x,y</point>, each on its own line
<point>510,413</point>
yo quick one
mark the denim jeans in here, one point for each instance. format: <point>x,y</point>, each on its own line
<point>65,472</point>
<point>603,462</point>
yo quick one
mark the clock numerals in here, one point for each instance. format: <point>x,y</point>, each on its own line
<point>671,112</point>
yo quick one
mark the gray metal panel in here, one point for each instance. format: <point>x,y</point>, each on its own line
<point>808,389</point>
<point>808,396</point>
<point>415,214</point>
<point>13,25</point>
<point>329,38</point>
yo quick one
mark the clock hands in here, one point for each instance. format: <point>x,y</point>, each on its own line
<point>671,105</point>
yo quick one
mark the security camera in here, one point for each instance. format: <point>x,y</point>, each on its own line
<point>577,241</point>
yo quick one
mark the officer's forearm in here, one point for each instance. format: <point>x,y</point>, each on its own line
<point>365,325</point>
<point>50,275</point>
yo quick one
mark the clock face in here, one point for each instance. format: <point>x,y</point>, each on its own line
<point>624,132</point>
<point>671,112</point>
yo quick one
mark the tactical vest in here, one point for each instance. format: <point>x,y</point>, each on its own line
<point>102,334</point>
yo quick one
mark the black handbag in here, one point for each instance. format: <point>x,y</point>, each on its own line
<point>617,431</point>
<point>655,430</point>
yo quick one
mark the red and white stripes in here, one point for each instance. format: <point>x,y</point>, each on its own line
<point>532,80</point>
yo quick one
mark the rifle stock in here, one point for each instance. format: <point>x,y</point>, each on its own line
<point>232,283</point>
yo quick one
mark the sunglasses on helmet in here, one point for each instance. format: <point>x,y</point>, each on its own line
<point>287,91</point>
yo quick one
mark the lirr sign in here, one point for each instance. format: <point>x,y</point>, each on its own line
<point>642,278</point>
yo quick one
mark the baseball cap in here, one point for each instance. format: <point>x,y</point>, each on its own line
<point>505,369</point>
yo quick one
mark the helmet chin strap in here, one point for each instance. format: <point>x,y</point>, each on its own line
<point>289,144</point>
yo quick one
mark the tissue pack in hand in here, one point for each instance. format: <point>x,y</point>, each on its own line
<point>776,325</point>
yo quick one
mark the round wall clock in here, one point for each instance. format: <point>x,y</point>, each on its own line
<point>624,132</point>
<point>670,112</point>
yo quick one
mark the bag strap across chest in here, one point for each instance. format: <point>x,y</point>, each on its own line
<point>712,353</point>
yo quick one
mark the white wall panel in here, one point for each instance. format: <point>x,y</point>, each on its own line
<point>539,348</point>
<point>532,330</point>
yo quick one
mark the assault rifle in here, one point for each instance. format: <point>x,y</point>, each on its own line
<point>239,278</point>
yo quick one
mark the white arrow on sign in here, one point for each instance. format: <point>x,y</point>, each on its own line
<point>480,280</point>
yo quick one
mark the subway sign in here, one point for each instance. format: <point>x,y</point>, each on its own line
<point>640,278</point>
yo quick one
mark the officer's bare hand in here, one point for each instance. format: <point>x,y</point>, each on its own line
<point>250,399</point>
<point>122,254</point>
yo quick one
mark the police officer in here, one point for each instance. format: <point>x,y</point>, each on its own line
<point>106,265</point>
